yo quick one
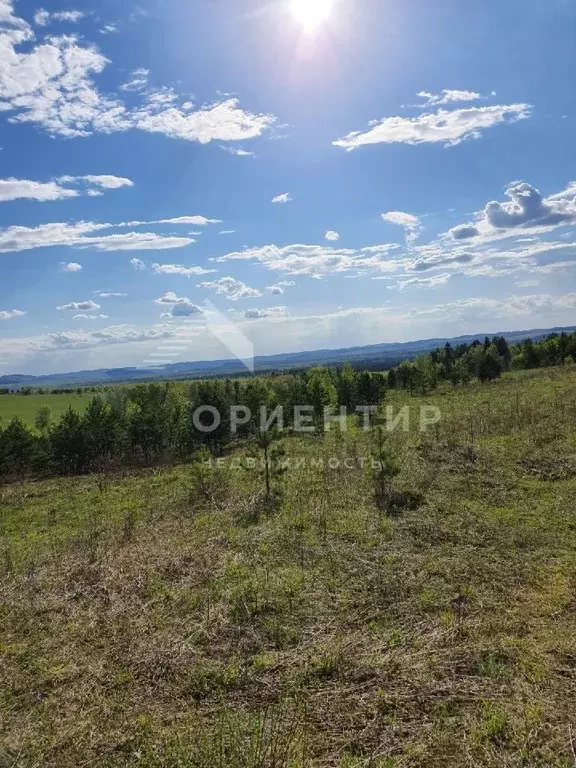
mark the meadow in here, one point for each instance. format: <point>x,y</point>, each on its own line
<point>173,617</point>
<point>26,406</point>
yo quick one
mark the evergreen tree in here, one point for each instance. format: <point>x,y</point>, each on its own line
<point>18,448</point>
<point>68,444</point>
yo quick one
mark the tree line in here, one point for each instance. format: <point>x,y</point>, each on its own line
<point>483,361</point>
<point>147,424</point>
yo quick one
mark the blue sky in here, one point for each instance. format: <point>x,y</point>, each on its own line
<point>394,171</point>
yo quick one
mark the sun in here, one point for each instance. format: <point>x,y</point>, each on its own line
<point>311,13</point>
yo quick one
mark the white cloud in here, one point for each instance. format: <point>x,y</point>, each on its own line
<point>85,234</point>
<point>72,266</point>
<point>138,80</point>
<point>331,235</point>
<point>421,282</point>
<point>7,15</point>
<point>171,298</point>
<point>180,306</point>
<point>449,127</point>
<point>448,97</point>
<point>238,151</point>
<point>227,232</point>
<point>138,264</point>
<point>126,344</point>
<point>220,121</point>
<point>51,84</point>
<point>195,221</point>
<point>109,29</point>
<point>278,288</point>
<point>43,18</point>
<point>409,222</point>
<point>135,241</point>
<point>22,189</point>
<point>258,314</point>
<point>80,305</point>
<point>85,316</point>
<point>15,189</point>
<point>179,269</point>
<point>109,294</point>
<point>463,232</point>
<point>230,288</point>
<point>318,260</point>
<point>107,182</point>
<point>526,208</point>
<point>285,197</point>
<point>9,314</point>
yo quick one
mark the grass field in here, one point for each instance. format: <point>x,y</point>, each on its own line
<point>26,406</point>
<point>158,620</point>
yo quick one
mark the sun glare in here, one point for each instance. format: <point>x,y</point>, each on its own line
<point>311,13</point>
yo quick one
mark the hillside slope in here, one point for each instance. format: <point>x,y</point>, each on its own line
<point>167,618</point>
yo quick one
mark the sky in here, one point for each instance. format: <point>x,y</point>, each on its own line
<point>312,173</point>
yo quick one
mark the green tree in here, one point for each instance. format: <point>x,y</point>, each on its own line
<point>18,448</point>
<point>68,444</point>
<point>43,419</point>
<point>385,468</point>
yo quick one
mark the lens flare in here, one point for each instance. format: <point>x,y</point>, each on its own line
<point>311,13</point>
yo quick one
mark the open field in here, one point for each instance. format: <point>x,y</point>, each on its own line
<point>26,406</point>
<point>168,618</point>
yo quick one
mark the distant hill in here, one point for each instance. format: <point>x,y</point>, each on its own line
<point>380,355</point>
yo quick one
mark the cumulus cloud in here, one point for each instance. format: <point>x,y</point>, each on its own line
<point>75,306</point>
<point>408,221</point>
<point>179,269</point>
<point>171,298</point>
<point>72,266</point>
<point>285,197</point>
<point>258,314</point>
<point>448,97</point>
<point>138,80</point>
<point>51,84</point>
<point>219,121</point>
<point>179,306</point>
<point>9,314</point>
<point>464,232</point>
<point>116,334</point>
<point>278,288</point>
<point>448,127</point>
<point>43,18</point>
<point>230,288</point>
<point>331,235</point>
<point>526,208</point>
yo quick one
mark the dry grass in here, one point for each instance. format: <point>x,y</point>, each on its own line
<point>142,627</point>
